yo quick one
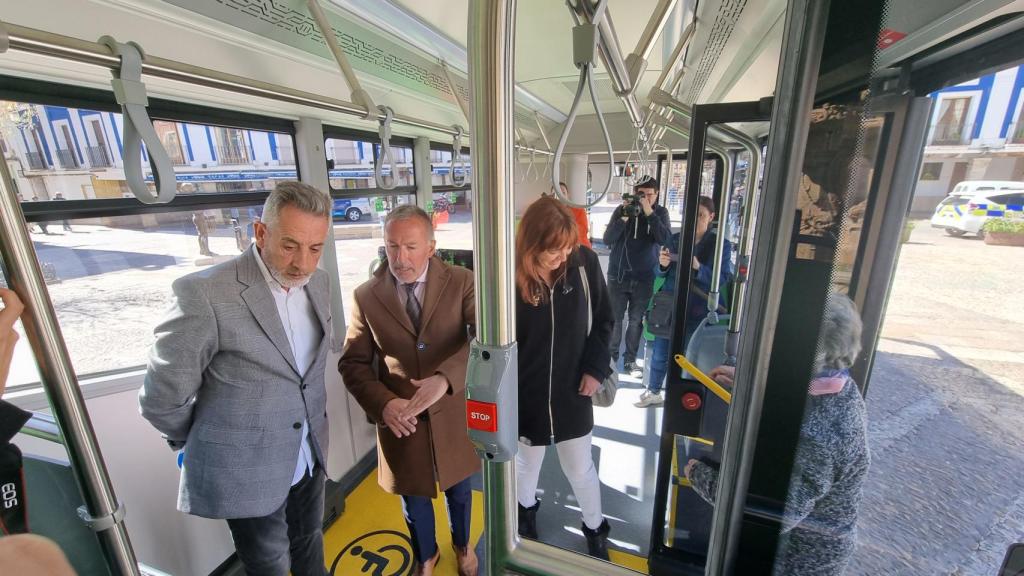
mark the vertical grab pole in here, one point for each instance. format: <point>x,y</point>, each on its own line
<point>101,512</point>
<point>491,58</point>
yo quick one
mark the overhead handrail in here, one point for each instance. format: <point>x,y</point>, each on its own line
<point>32,41</point>
<point>137,128</point>
<point>636,62</point>
<point>584,45</point>
<point>455,94</point>
<point>359,96</point>
<point>584,12</point>
<point>385,152</point>
<point>458,158</point>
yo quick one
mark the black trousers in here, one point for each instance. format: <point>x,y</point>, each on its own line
<point>289,538</point>
<point>629,298</point>
<point>419,517</point>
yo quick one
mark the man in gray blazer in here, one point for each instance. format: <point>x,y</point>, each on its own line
<point>236,379</point>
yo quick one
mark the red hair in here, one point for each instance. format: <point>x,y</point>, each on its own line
<point>547,225</point>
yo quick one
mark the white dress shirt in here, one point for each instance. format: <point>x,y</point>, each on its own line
<point>421,287</point>
<point>302,327</point>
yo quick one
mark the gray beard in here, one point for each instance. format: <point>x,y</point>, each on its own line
<point>280,278</point>
<point>288,282</point>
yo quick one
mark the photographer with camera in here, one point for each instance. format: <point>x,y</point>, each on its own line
<point>636,230</point>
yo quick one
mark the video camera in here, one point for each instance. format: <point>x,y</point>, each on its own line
<point>630,204</point>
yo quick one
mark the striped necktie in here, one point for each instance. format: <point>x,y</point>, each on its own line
<point>412,305</point>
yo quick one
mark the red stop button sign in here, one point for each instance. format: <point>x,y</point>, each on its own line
<point>482,416</point>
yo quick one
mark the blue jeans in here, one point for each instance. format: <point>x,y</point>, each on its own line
<point>657,366</point>
<point>419,517</point>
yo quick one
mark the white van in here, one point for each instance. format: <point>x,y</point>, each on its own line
<point>972,202</point>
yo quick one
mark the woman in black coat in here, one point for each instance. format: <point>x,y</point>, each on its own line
<point>562,293</point>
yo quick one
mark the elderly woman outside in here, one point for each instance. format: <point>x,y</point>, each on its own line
<point>819,522</point>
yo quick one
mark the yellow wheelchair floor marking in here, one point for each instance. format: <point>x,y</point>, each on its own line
<point>369,509</point>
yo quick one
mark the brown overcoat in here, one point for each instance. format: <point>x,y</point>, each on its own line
<point>383,352</point>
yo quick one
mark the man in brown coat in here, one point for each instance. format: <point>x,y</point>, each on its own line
<point>405,363</point>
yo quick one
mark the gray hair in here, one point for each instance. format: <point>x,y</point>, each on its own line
<point>839,342</point>
<point>293,193</point>
<point>408,212</point>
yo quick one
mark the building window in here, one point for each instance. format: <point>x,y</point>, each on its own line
<point>931,171</point>
<point>231,147</point>
<point>951,127</point>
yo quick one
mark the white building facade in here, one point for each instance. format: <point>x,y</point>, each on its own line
<point>975,133</point>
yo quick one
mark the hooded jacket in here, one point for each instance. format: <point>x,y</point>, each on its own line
<point>635,243</point>
<point>555,351</point>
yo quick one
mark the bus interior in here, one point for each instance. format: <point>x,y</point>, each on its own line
<point>808,118</point>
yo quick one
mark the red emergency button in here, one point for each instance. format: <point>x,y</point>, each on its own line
<point>482,416</point>
<point>691,401</point>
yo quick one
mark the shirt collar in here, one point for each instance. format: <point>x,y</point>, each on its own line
<point>422,279</point>
<point>271,281</point>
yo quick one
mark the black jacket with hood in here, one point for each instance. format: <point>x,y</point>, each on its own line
<point>555,351</point>
<point>635,243</point>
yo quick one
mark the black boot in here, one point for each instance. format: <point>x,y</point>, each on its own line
<point>528,520</point>
<point>597,540</point>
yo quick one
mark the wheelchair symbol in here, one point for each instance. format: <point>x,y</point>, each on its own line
<point>380,553</point>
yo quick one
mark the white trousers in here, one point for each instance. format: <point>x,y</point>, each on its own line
<point>578,467</point>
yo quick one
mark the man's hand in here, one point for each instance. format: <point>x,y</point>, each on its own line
<point>430,390</point>
<point>665,258</point>
<point>588,385</point>
<point>695,264</point>
<point>400,425</point>
<point>724,375</point>
<point>645,204</point>
<point>8,337</point>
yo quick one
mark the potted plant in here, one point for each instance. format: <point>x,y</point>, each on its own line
<point>1004,232</point>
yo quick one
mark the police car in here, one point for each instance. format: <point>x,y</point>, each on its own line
<point>351,209</point>
<point>973,202</point>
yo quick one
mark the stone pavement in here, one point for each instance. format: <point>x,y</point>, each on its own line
<point>945,493</point>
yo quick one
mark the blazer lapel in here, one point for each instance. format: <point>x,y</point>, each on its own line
<point>321,300</point>
<point>261,302</point>
<point>386,292</point>
<point>438,276</point>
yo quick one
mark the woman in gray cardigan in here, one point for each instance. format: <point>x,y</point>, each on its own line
<point>819,522</point>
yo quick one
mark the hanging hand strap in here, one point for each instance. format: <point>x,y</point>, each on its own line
<point>458,158</point>
<point>138,128</point>
<point>385,151</point>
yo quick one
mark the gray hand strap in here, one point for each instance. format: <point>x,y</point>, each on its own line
<point>138,128</point>
<point>385,155</point>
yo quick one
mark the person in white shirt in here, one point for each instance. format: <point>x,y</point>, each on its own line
<point>236,380</point>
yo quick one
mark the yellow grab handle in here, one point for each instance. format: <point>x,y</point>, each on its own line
<point>704,379</point>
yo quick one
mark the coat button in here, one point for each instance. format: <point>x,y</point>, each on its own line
<point>303,386</point>
<point>297,425</point>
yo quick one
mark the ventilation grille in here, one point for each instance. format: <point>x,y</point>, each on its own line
<point>729,12</point>
<point>368,52</point>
